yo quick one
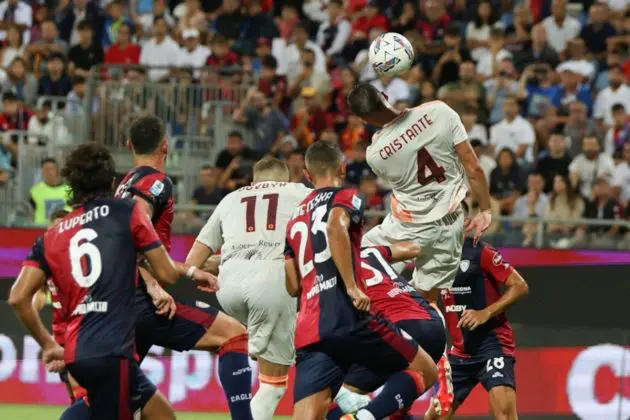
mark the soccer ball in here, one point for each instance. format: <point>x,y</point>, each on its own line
<point>391,54</point>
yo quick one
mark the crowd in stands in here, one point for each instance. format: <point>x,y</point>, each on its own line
<point>541,86</point>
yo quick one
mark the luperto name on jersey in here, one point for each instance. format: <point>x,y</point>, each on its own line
<point>87,217</point>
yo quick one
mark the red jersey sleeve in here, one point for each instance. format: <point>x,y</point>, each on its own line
<point>385,251</point>
<point>493,265</point>
<point>350,200</point>
<point>145,238</point>
<point>36,257</point>
<point>155,188</point>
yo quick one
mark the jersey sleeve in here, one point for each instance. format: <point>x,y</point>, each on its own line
<point>493,265</point>
<point>211,234</point>
<point>460,134</point>
<point>350,200</point>
<point>36,257</point>
<point>155,188</point>
<point>145,238</point>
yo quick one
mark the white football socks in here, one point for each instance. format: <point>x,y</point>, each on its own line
<point>349,402</point>
<point>266,401</point>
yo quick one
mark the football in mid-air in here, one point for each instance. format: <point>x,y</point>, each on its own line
<point>391,54</point>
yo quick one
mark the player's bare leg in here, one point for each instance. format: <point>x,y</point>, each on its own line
<point>503,403</point>
<point>274,380</point>
<point>313,407</point>
<point>158,408</point>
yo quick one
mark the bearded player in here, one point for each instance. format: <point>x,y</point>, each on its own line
<point>177,325</point>
<point>425,155</point>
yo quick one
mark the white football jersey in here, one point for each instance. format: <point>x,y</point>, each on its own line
<point>250,223</point>
<point>416,155</point>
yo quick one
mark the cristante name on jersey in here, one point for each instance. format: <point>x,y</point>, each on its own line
<point>86,217</point>
<point>304,208</point>
<point>414,130</point>
<point>321,285</point>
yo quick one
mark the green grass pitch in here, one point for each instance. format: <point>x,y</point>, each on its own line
<point>31,412</point>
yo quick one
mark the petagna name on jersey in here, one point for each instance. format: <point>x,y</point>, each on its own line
<point>262,186</point>
<point>304,208</point>
<point>87,217</point>
<point>409,134</point>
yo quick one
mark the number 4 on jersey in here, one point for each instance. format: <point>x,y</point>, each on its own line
<point>436,172</point>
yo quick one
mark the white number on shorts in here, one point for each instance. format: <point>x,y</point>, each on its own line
<point>378,277</point>
<point>496,363</point>
<point>81,246</point>
<point>317,225</point>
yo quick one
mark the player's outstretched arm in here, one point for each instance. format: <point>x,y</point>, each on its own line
<point>341,252</point>
<point>162,266</point>
<point>479,185</point>
<point>198,254</point>
<point>292,278</point>
<point>403,251</point>
<point>28,283</point>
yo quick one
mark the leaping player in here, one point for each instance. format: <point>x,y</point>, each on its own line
<point>424,154</point>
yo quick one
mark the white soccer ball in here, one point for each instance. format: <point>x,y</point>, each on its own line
<point>391,54</point>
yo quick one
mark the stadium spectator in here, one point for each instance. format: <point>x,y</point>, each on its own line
<point>353,133</point>
<point>310,120</point>
<point>555,160</point>
<point>49,43</point>
<point>159,51</point>
<point>20,82</point>
<point>621,178</point>
<point>474,130</point>
<point>338,104</point>
<point>368,187</point>
<point>334,33</point>
<point>406,20</point>
<point>590,165</point>
<point>601,79</point>
<point>370,17</point>
<point>257,24</point>
<point>308,76</point>
<point>237,160</point>
<point>361,63</point>
<point>228,23</point>
<point>55,82</point>
<point>40,14</point>
<point>49,194</point>
<point>539,51</point>
<point>571,89</point>
<point>506,181</point>
<point>531,205</point>
<point>431,25</point>
<point>45,125</point>
<point>514,132</point>
<point>284,147</point>
<point>159,10</point>
<point>76,99</point>
<point>396,88</point>
<point>487,64</point>
<point>467,90</point>
<point>518,32</point>
<point>503,83</point>
<point>114,19</point>
<point>193,18</point>
<point>619,134</point>
<point>597,32</point>
<point>446,69</point>
<point>86,54</point>
<point>221,57</point>
<point>565,203</point>
<point>207,193</point>
<point>16,12</point>
<point>14,46</point>
<point>481,150</point>
<point>287,21</point>
<point>578,127</point>
<point>478,30</point>
<point>5,166</point>
<point>265,121</point>
<point>123,51</point>
<point>289,54</point>
<point>602,206</point>
<point>74,12</point>
<point>315,10</point>
<point>538,91</point>
<point>560,27</point>
<point>272,85</point>
<point>296,164</point>
<point>192,53</point>
<point>617,92</point>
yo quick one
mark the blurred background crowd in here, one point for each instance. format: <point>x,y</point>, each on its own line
<point>541,87</point>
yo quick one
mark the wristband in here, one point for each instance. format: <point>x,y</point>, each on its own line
<point>191,271</point>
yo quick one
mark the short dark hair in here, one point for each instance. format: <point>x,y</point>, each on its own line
<point>558,131</point>
<point>9,96</point>
<point>323,157</point>
<point>56,56</point>
<point>85,24</point>
<point>270,62</point>
<point>58,213</point>
<point>618,108</point>
<point>48,160</point>
<point>146,134</point>
<point>364,99</point>
<point>78,80</point>
<point>497,33</point>
<point>453,30</point>
<point>235,133</point>
<point>90,173</point>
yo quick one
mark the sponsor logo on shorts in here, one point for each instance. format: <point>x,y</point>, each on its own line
<point>202,305</point>
<point>455,308</point>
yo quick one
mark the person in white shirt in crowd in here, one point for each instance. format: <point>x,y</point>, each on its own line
<point>334,32</point>
<point>474,130</point>
<point>17,12</point>
<point>361,64</point>
<point>486,162</point>
<point>621,177</point>
<point>532,204</point>
<point>145,22</point>
<point>478,30</point>
<point>192,53</point>
<point>308,77</point>
<point>160,50</point>
<point>45,126</point>
<point>560,27</point>
<point>75,100</point>
<point>395,88</point>
<point>288,55</point>
<point>513,132</point>
<point>590,165</point>
<point>618,134</point>
<point>315,10</point>
<point>617,92</point>
<point>503,83</point>
<point>487,65</point>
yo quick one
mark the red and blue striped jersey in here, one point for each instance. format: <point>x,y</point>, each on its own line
<point>90,256</point>
<point>390,295</point>
<point>325,309</point>
<point>481,273</point>
<point>156,188</point>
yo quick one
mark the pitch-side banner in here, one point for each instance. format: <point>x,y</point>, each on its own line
<point>589,382</point>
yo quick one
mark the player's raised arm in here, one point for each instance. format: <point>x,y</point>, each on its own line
<point>337,230</point>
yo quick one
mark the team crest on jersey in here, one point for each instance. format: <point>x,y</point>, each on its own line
<point>157,188</point>
<point>464,265</point>
<point>202,305</point>
<point>356,202</point>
